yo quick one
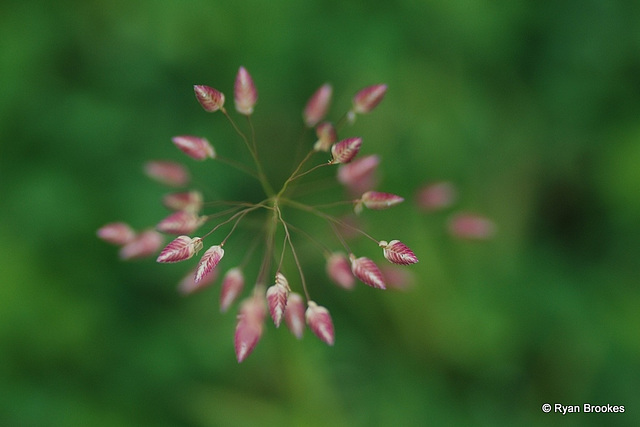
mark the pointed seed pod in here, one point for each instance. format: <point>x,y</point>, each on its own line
<point>209,261</point>
<point>345,150</point>
<point>195,147</point>
<point>339,270</point>
<point>319,320</point>
<point>245,93</point>
<point>142,245</point>
<point>232,285</point>
<point>277,296</point>
<point>327,135</point>
<point>246,338</point>
<point>179,249</point>
<point>317,106</point>
<point>377,200</point>
<point>116,233</point>
<point>397,252</point>
<point>436,196</point>
<point>250,326</point>
<point>294,315</point>
<point>359,175</point>
<point>168,173</point>
<point>367,271</point>
<point>209,98</point>
<point>368,98</point>
<point>357,207</point>
<point>181,222</point>
<point>190,201</point>
<point>471,227</point>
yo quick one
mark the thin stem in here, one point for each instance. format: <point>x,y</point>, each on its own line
<point>242,213</point>
<point>235,208</point>
<point>311,170</point>
<point>300,144</point>
<point>324,249</point>
<point>339,236</point>
<point>223,213</point>
<point>239,132</point>
<point>249,252</point>
<point>293,178</point>
<point>240,216</point>
<point>334,204</point>
<point>327,217</point>
<point>293,252</point>
<point>238,166</point>
<point>266,186</point>
<point>253,135</point>
<point>236,203</point>
<point>293,174</point>
<point>284,246</point>
<point>343,121</point>
<point>266,260</point>
<point>319,185</point>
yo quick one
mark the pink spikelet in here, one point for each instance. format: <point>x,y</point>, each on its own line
<point>368,98</point>
<point>250,326</point>
<point>117,233</point>
<point>277,296</point>
<point>359,175</point>
<point>471,227</point>
<point>209,98</point>
<point>436,196</point>
<point>327,135</point>
<point>181,222</point>
<point>143,245</point>
<point>339,270</point>
<point>232,285</point>
<point>367,271</point>
<point>209,261</point>
<point>179,249</point>
<point>188,285</point>
<point>397,252</point>
<point>294,315</point>
<point>376,200</point>
<point>345,150</point>
<point>245,93</point>
<point>317,106</point>
<point>189,201</point>
<point>168,173</point>
<point>319,320</point>
<point>397,277</point>
<point>195,147</point>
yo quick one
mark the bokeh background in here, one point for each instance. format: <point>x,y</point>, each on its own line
<point>530,107</point>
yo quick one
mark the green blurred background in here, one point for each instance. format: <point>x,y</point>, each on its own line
<point>530,107</point>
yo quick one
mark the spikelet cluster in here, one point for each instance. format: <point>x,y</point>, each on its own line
<point>279,287</point>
